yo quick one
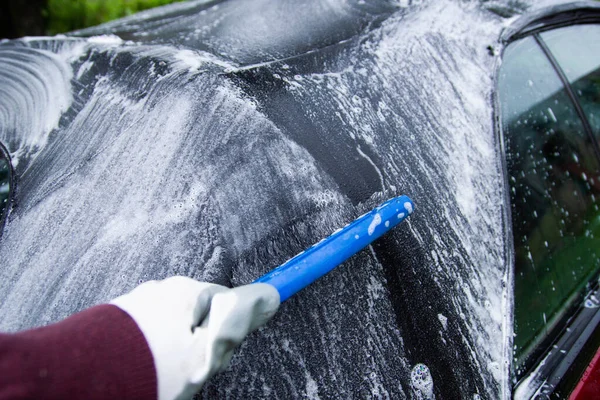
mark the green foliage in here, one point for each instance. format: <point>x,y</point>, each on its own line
<point>68,15</point>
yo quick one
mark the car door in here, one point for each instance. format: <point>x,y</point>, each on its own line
<point>549,98</point>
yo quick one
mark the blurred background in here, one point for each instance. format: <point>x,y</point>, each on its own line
<point>48,17</point>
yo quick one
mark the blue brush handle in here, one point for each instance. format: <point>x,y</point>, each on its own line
<point>308,266</point>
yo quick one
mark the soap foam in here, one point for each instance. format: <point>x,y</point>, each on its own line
<point>374,224</point>
<point>421,382</point>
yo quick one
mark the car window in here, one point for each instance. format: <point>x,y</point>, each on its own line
<point>577,50</point>
<point>554,191</point>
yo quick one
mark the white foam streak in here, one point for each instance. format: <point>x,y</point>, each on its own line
<point>35,90</point>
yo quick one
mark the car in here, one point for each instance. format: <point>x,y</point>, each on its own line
<point>217,139</point>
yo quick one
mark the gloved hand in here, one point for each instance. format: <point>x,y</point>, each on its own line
<point>193,327</point>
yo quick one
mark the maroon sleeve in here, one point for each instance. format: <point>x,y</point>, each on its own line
<point>99,353</point>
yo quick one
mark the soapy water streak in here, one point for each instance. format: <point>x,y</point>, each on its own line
<point>33,83</point>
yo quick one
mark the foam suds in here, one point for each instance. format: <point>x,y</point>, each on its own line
<point>443,321</point>
<point>422,382</point>
<point>374,224</point>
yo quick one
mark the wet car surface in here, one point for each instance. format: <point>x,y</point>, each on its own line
<point>216,139</point>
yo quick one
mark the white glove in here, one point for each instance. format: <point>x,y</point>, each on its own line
<point>186,355</point>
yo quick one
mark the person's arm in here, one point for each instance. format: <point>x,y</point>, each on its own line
<point>162,340</point>
<point>99,353</point>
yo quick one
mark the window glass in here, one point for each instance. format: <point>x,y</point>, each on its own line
<point>577,51</point>
<point>554,186</point>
